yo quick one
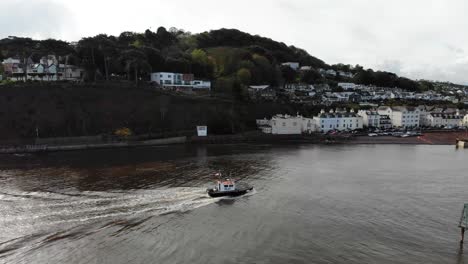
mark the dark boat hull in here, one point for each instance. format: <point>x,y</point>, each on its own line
<point>214,193</point>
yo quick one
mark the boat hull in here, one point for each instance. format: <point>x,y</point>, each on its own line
<point>214,193</point>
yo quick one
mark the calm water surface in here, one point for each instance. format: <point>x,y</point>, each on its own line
<point>311,204</point>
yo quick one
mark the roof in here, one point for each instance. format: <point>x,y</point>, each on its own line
<point>337,115</point>
<point>259,87</point>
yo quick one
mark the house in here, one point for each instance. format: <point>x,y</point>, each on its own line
<point>347,86</point>
<point>179,81</point>
<point>171,78</point>
<point>401,116</point>
<point>264,92</point>
<point>71,72</point>
<point>370,118</point>
<point>13,68</point>
<point>305,68</point>
<point>345,74</point>
<point>292,65</point>
<point>330,72</point>
<point>444,120</point>
<point>286,125</point>
<point>199,84</point>
<point>465,121</point>
<point>338,121</point>
<point>385,122</point>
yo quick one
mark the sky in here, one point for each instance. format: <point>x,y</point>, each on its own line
<point>420,39</point>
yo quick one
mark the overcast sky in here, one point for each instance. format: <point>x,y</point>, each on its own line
<point>413,38</point>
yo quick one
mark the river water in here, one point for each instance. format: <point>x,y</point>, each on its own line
<point>311,204</point>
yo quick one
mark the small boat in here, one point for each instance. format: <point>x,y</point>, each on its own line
<point>228,188</point>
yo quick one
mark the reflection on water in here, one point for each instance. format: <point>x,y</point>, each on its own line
<point>345,204</point>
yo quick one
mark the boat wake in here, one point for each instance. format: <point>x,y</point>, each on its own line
<point>30,215</point>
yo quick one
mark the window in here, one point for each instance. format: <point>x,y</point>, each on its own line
<point>226,186</point>
<point>284,124</point>
<point>323,126</point>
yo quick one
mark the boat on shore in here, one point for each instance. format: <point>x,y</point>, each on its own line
<point>228,188</point>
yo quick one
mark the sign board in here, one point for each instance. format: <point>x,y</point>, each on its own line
<point>202,131</point>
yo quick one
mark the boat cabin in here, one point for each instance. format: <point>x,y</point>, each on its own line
<point>226,185</point>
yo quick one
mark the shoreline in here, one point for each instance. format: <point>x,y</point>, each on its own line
<point>446,138</point>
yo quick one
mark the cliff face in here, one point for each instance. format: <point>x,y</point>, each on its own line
<point>59,110</point>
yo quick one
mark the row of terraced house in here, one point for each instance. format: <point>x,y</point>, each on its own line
<point>384,117</point>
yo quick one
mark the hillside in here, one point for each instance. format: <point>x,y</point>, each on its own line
<point>61,109</point>
<point>230,58</point>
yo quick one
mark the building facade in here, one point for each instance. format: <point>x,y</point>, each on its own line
<point>403,117</point>
<point>341,121</point>
<point>370,118</point>
<point>179,80</point>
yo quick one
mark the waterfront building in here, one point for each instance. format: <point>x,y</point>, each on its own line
<point>341,121</point>
<point>401,116</point>
<point>385,122</point>
<point>370,118</point>
<point>444,120</point>
<point>286,125</point>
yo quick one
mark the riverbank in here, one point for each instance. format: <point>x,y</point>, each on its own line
<point>428,138</point>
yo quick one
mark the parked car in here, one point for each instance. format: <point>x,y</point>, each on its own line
<point>373,135</point>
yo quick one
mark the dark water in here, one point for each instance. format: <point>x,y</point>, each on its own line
<point>312,204</point>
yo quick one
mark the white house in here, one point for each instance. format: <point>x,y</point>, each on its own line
<point>465,121</point>
<point>292,65</point>
<point>338,121</point>
<point>446,120</point>
<point>286,125</point>
<point>370,118</point>
<point>401,116</point>
<point>171,79</point>
<point>347,86</point>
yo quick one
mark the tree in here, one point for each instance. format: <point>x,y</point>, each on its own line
<point>310,76</point>
<point>199,56</point>
<point>135,59</point>
<point>288,74</point>
<point>244,76</point>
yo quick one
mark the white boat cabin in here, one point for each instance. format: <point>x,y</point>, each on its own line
<point>226,185</point>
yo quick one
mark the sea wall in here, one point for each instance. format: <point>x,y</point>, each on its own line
<point>51,148</point>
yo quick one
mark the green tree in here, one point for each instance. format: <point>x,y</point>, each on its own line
<point>310,76</point>
<point>199,56</point>
<point>244,76</point>
<point>135,59</point>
